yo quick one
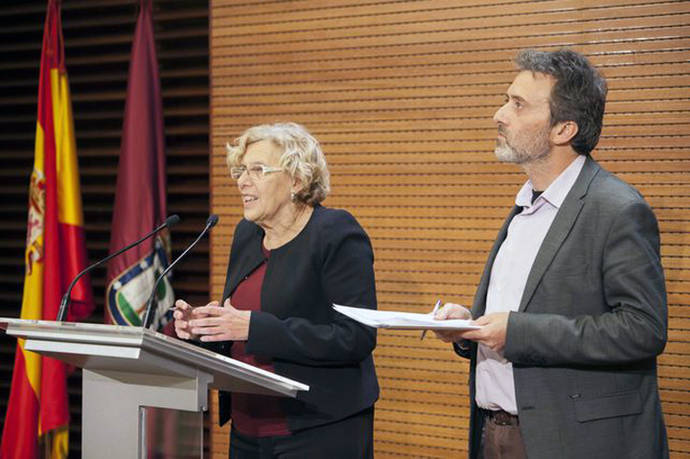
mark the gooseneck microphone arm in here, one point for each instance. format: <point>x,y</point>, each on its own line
<point>64,304</point>
<point>148,316</point>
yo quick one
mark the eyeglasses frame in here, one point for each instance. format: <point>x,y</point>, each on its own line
<point>264,171</point>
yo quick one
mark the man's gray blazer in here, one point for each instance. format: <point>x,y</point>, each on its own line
<point>592,319</point>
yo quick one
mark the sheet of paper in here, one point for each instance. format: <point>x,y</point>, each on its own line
<point>402,320</point>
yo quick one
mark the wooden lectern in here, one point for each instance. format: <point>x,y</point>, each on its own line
<point>126,369</point>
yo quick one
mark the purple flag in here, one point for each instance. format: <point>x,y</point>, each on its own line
<point>141,188</point>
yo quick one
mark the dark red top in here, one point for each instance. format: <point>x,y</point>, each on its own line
<point>255,415</point>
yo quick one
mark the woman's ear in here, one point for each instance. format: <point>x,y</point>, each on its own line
<point>296,186</point>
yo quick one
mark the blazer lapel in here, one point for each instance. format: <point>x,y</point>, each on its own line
<point>479,303</point>
<point>246,262</point>
<point>559,230</point>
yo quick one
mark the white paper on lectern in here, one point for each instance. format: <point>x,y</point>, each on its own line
<point>403,320</point>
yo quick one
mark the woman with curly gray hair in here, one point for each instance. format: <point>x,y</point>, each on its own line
<point>290,260</point>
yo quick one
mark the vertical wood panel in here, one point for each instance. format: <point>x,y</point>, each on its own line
<point>401,95</point>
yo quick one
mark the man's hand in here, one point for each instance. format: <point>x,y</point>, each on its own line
<point>215,323</point>
<point>493,331</point>
<point>451,311</point>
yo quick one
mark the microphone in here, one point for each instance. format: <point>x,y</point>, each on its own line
<point>148,317</point>
<point>64,304</point>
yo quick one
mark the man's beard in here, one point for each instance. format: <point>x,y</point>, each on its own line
<point>535,149</point>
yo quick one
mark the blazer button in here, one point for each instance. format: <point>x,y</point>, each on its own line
<point>575,396</point>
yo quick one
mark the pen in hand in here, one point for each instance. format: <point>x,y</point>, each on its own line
<point>436,306</point>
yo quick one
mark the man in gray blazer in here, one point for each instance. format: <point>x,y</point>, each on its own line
<point>572,301</point>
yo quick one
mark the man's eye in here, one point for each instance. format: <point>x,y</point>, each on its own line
<point>256,169</point>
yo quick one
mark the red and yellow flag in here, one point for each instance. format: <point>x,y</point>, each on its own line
<point>38,410</point>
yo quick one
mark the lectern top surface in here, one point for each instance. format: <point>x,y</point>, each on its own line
<point>106,341</point>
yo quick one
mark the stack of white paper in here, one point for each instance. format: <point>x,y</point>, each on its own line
<point>402,320</point>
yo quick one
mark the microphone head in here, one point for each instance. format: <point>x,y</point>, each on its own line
<point>212,220</point>
<point>172,220</point>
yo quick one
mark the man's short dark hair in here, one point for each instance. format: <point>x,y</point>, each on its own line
<point>578,95</point>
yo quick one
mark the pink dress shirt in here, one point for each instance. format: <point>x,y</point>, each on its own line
<point>494,376</point>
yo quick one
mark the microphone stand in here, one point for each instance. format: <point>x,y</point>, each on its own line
<point>148,316</point>
<point>64,304</point>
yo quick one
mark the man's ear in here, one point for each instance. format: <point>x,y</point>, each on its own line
<point>563,132</point>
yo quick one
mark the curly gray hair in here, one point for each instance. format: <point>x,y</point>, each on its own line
<point>302,157</point>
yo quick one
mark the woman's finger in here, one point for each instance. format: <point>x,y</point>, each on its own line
<point>217,337</point>
<point>215,330</point>
<point>182,304</point>
<point>205,322</point>
<point>209,310</point>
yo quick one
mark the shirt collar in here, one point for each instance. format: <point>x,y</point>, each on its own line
<point>556,192</point>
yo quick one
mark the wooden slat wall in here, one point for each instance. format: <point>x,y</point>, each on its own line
<point>98,39</point>
<point>401,94</point>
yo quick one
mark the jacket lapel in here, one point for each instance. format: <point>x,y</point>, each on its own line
<point>247,262</point>
<point>479,303</point>
<point>559,230</point>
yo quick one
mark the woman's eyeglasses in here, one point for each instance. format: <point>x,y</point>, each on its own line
<point>256,171</point>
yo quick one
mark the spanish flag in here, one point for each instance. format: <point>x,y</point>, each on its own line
<point>38,409</point>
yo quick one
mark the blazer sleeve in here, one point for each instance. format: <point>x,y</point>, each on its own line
<point>347,277</point>
<point>634,327</point>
